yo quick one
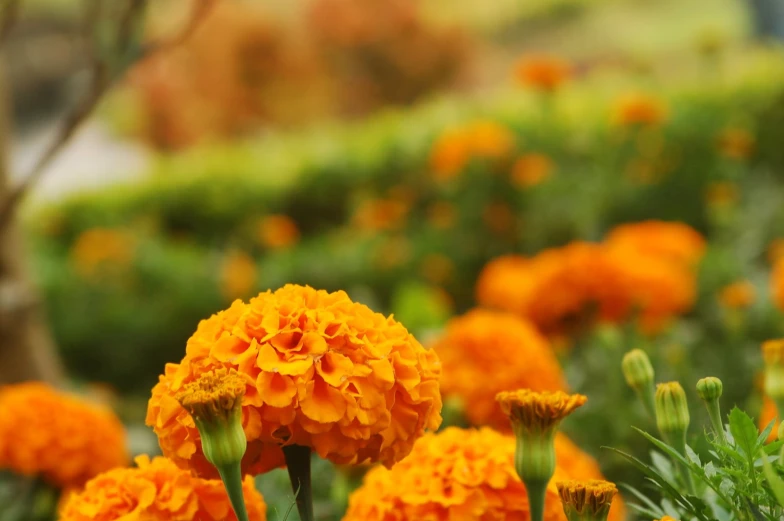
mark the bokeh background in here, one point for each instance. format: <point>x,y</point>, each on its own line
<point>394,148</point>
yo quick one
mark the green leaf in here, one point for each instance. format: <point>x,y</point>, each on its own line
<point>775,482</point>
<point>763,437</point>
<point>743,431</point>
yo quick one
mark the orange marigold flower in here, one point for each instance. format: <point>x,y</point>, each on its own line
<point>499,344</point>
<point>157,490</point>
<point>591,498</point>
<point>531,169</point>
<point>56,436</point>
<point>321,371</point>
<point>777,283</point>
<point>101,248</point>
<point>381,214</point>
<point>456,147</point>
<point>664,240</point>
<point>542,72</point>
<point>238,275</point>
<point>465,474</point>
<point>767,415</point>
<point>277,231</point>
<point>736,143</point>
<point>538,411</point>
<point>639,109</point>
<point>737,295</point>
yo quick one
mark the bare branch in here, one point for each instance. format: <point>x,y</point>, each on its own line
<point>100,83</point>
<point>8,15</point>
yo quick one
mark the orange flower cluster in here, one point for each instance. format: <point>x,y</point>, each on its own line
<point>456,147</point>
<point>56,436</point>
<point>638,109</point>
<point>543,73</point>
<point>645,268</point>
<point>321,371</point>
<point>277,231</point>
<point>499,344</point>
<point>158,491</point>
<point>777,283</point>
<point>101,248</point>
<point>238,275</point>
<point>457,474</point>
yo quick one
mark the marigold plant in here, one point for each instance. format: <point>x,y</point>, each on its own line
<point>505,352</point>
<point>157,490</point>
<point>321,371</point>
<point>660,239</point>
<point>58,437</point>
<point>455,474</point>
<point>543,73</point>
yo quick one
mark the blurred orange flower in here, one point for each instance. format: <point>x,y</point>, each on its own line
<point>456,147</point>
<point>639,109</point>
<point>645,269</point>
<point>101,248</point>
<point>321,372</point>
<point>531,169</point>
<point>737,295</point>
<point>777,283</point>
<point>56,436</point>
<point>381,214</point>
<point>465,474</point>
<point>441,215</point>
<point>736,143</point>
<point>499,344</point>
<point>238,275</point>
<point>542,72</point>
<point>278,231</point>
<point>158,491</point>
<point>499,218</point>
<point>775,250</point>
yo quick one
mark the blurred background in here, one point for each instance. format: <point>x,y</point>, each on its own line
<point>391,148</point>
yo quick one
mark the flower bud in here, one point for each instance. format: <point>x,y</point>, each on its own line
<point>638,372</point>
<point>586,501</point>
<point>672,411</point>
<point>709,389</point>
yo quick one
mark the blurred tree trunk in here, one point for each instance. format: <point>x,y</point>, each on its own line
<point>27,351</point>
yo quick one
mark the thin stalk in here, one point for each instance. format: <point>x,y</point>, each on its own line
<point>232,480</point>
<point>298,463</point>
<point>537,492</point>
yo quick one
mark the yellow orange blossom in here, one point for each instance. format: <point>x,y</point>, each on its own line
<point>157,490</point>
<point>721,194</point>
<point>278,231</point>
<point>737,295</point>
<point>101,248</point>
<point>499,344</point>
<point>736,143</point>
<point>767,415</point>
<point>531,169</point>
<point>456,147</point>
<point>538,411</point>
<point>589,497</point>
<point>237,275</point>
<point>465,474</point>
<point>639,109</point>
<point>664,240</point>
<point>542,72</point>
<point>56,436</point>
<point>777,283</point>
<point>321,371</point>
<point>381,214</point>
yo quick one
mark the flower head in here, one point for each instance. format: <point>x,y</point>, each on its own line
<point>465,474</point>
<point>238,275</point>
<point>586,500</point>
<point>57,437</point>
<point>456,147</point>
<point>498,344</point>
<point>538,411</point>
<point>157,490</point>
<point>543,73</point>
<point>672,412</point>
<point>738,295</point>
<point>319,370</point>
<point>709,389</point>
<point>638,109</point>
<point>277,231</point>
<point>531,169</point>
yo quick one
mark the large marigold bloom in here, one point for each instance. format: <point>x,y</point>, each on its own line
<point>57,437</point>
<point>321,371</point>
<point>660,239</point>
<point>456,474</point>
<point>499,344</point>
<point>157,490</point>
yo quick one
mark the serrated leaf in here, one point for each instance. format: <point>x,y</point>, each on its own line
<point>693,457</point>
<point>744,431</point>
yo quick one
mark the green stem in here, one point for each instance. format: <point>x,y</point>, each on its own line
<point>679,444</point>
<point>537,492</point>
<point>714,411</point>
<point>646,395</point>
<point>298,463</point>
<point>232,481</point>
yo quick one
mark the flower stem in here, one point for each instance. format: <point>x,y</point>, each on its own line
<point>298,463</point>
<point>232,480</point>
<point>537,491</point>
<point>714,411</point>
